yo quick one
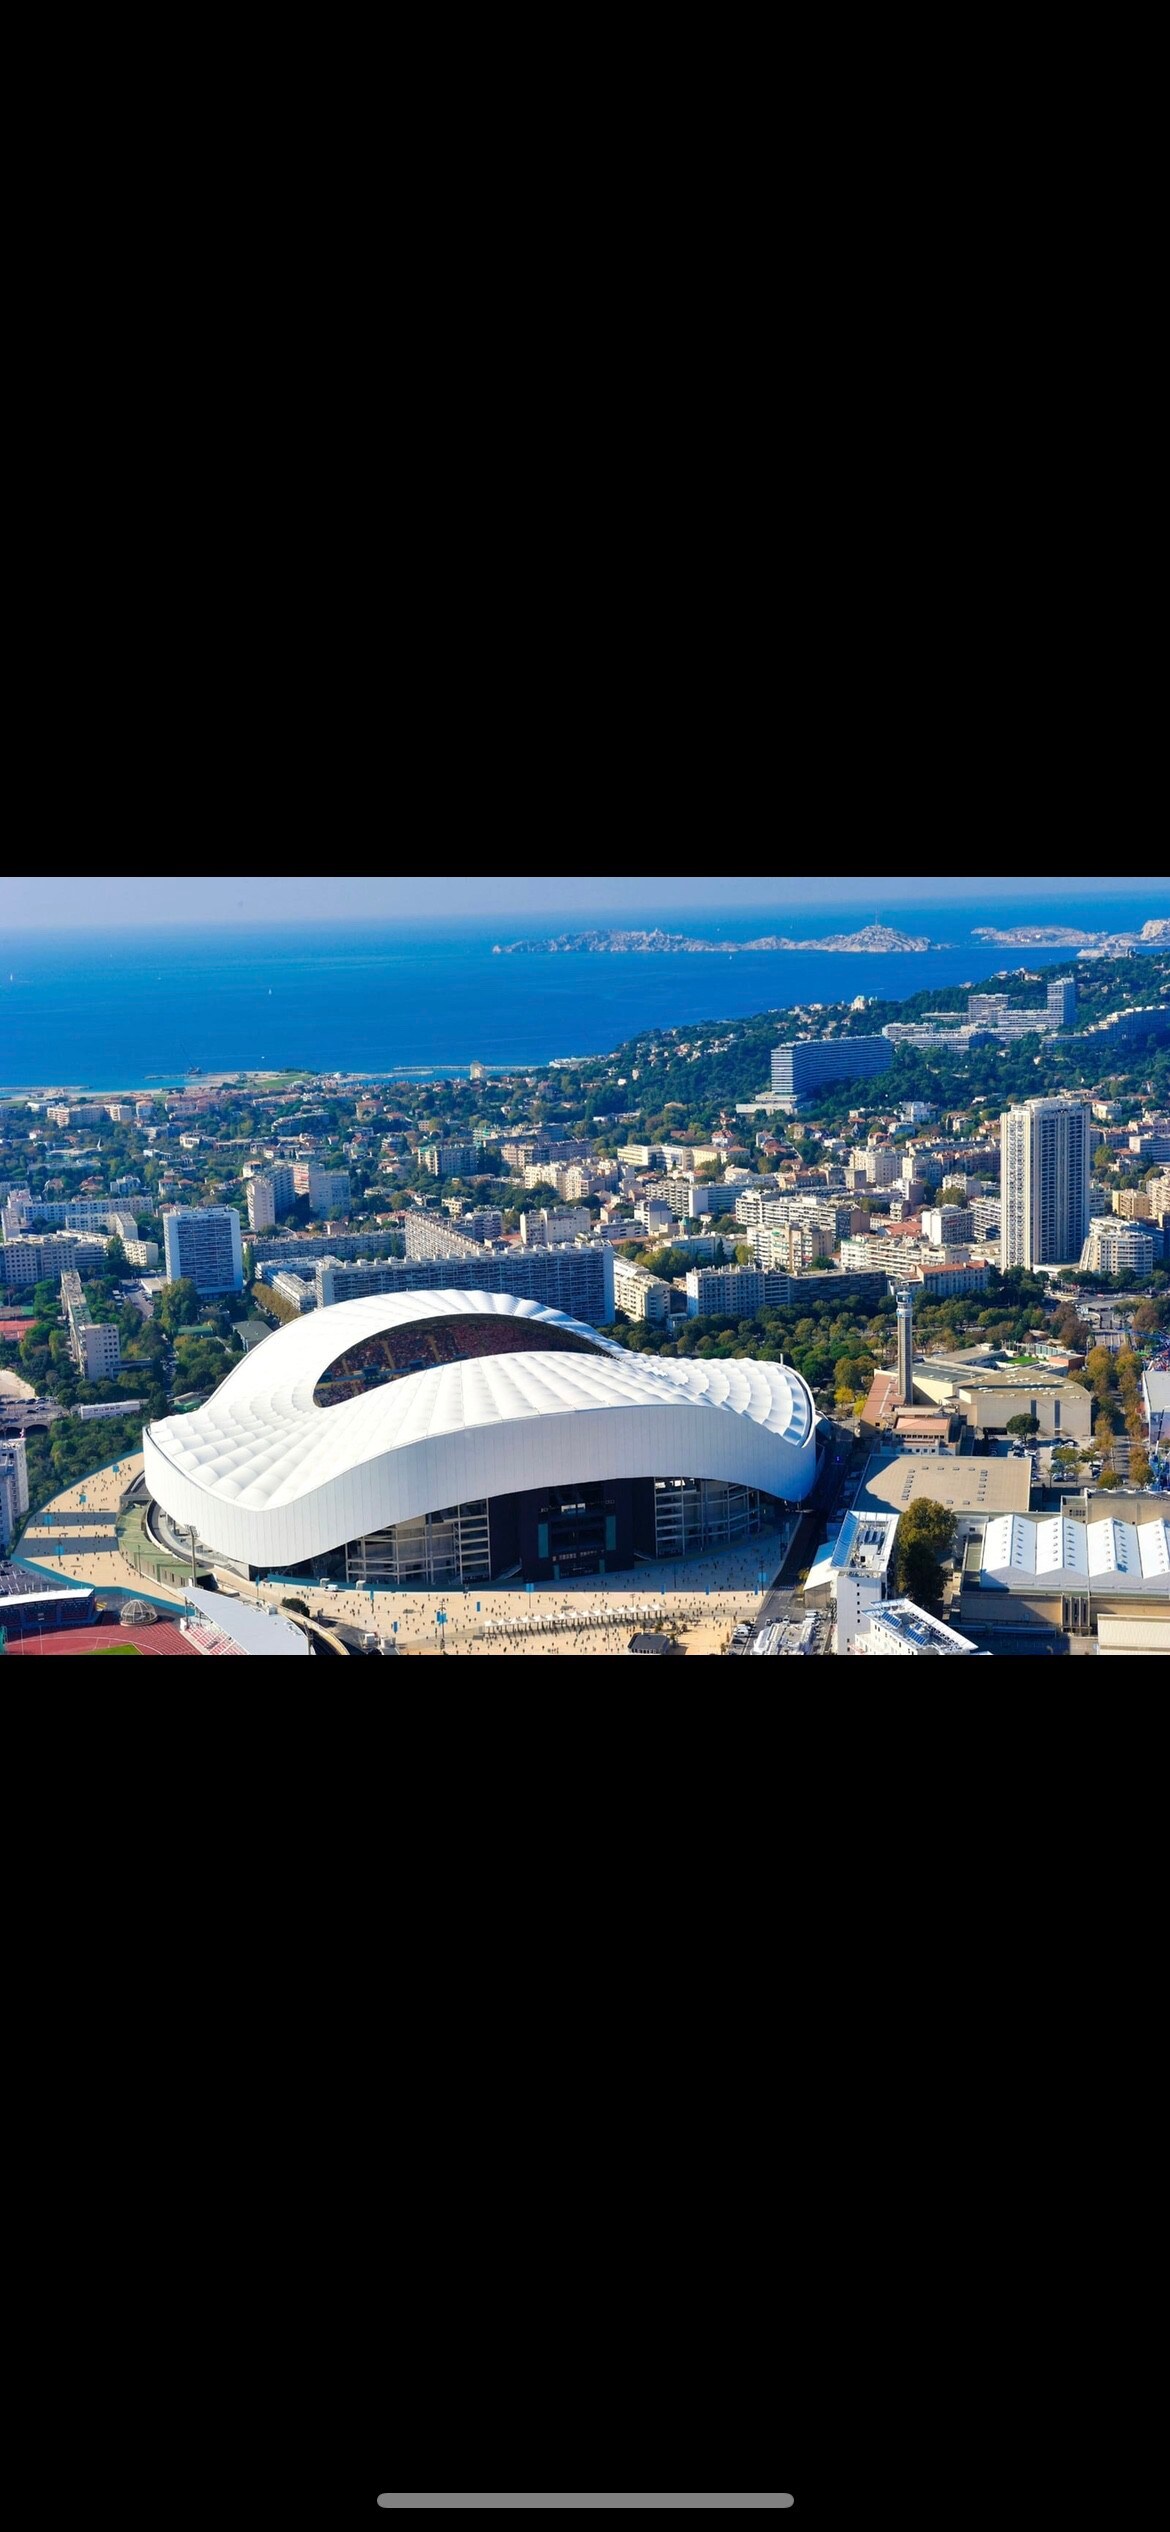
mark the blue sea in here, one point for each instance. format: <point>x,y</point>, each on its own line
<point>111,1011</point>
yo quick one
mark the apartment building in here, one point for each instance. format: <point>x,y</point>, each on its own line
<point>579,1281</point>
<point>943,1224</point>
<point>901,1629</point>
<point>638,1294</point>
<point>947,1282</point>
<point>23,1213</point>
<point>294,1249</point>
<point>1046,1148</point>
<point>740,1292</point>
<point>298,1290</point>
<point>13,1487</point>
<point>1115,1247</point>
<point>328,1190</point>
<point>203,1243</point>
<point>702,1200</point>
<point>551,1230</point>
<point>656,1218</point>
<point>792,1246</point>
<point>881,1163</point>
<point>36,1261</point>
<point>451,1160</point>
<point>809,1065</point>
<point>479,1222</point>
<point>576,1179</point>
<point>524,1151</point>
<point>261,1204</point>
<point>96,1351</point>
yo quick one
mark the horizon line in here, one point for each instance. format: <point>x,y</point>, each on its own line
<point>678,917</point>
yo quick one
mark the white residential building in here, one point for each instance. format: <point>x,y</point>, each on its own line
<point>857,1567</point>
<point>328,1190</point>
<point>638,1294</point>
<point>296,1289</point>
<point>1046,1148</point>
<point>882,1162</point>
<point>203,1242</point>
<point>13,1487</point>
<point>551,1230</point>
<point>792,1245</point>
<point>1114,1247</point>
<point>944,1223</point>
<point>97,1351</point>
<point>900,1628</point>
<point>261,1204</point>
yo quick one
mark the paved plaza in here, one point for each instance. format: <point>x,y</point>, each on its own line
<point>705,1597</point>
<point>77,1551</point>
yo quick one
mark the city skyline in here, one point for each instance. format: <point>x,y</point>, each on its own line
<point>30,903</point>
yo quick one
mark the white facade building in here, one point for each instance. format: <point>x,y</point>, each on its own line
<point>1054,1554</point>
<point>1046,1175</point>
<point>551,1230</point>
<point>942,1223</point>
<point>96,1351</point>
<point>899,1628</point>
<point>639,1294</point>
<point>203,1242</point>
<point>1115,1247</point>
<point>261,1204</point>
<point>858,1570</point>
<point>328,1190</point>
<point>13,1487</point>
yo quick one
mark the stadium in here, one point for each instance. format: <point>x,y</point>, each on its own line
<point>466,1437</point>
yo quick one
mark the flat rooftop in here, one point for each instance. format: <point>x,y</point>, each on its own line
<point>912,1626</point>
<point>991,1367</point>
<point>893,1483</point>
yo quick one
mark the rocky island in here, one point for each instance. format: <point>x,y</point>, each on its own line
<point>876,937</point>
<point>1153,935</point>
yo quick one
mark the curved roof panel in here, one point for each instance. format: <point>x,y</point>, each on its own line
<point>267,1474</point>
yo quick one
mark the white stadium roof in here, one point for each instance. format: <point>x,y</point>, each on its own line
<point>270,1476</point>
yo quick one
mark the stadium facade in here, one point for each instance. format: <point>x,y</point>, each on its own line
<point>458,1437</point>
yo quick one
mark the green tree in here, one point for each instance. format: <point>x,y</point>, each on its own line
<point>1023,1425</point>
<point>177,1305</point>
<point>115,1257</point>
<point>926,1534</point>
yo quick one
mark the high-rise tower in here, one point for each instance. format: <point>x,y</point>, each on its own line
<point>1046,1151</point>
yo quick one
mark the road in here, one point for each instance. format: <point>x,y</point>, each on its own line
<point>825,1504</point>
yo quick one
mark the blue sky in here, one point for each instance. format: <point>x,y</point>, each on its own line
<point>35,903</point>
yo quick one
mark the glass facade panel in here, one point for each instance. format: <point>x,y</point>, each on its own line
<point>697,1513</point>
<point>453,1546</point>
